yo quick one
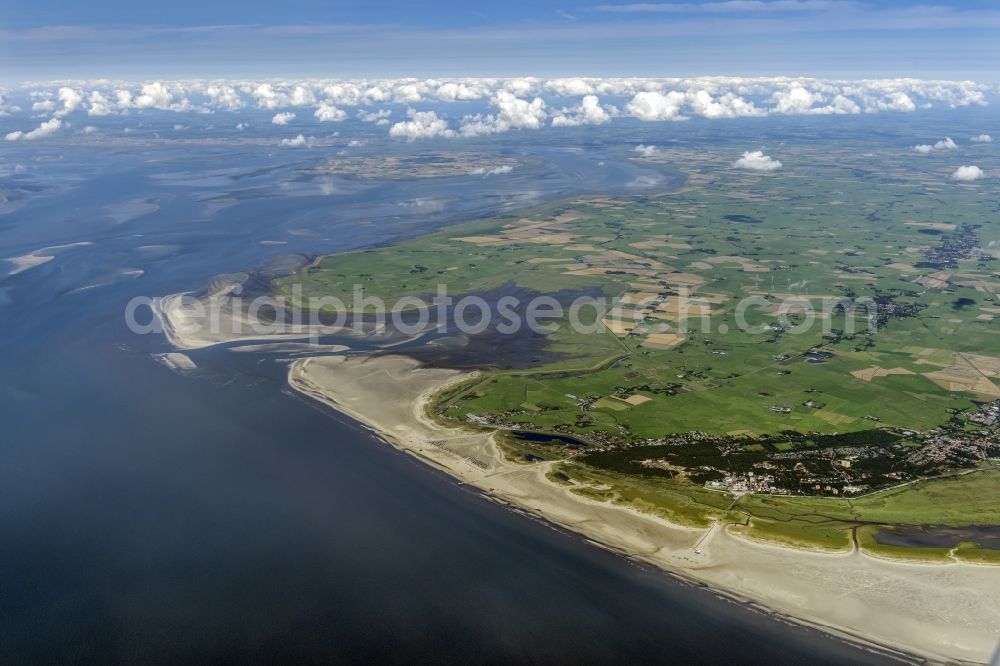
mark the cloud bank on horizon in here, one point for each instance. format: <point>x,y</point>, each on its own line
<point>485,106</point>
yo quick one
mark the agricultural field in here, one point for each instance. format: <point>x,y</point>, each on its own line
<point>810,333</point>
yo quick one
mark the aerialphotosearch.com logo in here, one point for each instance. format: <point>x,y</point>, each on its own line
<point>675,309</point>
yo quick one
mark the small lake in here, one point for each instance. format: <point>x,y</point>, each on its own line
<point>548,438</point>
<point>987,536</point>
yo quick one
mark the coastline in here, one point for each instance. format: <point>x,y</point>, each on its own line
<point>187,330</point>
<point>937,612</point>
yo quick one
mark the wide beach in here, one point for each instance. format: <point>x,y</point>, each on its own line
<point>938,612</point>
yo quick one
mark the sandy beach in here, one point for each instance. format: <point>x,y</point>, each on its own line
<point>212,319</point>
<point>940,612</point>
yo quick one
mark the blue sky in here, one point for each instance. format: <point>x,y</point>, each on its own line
<point>44,39</point>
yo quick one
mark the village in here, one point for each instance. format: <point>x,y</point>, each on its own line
<point>847,464</point>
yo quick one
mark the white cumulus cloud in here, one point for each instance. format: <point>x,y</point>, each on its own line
<point>757,161</point>
<point>380,117</point>
<point>795,100</point>
<point>652,105</point>
<point>944,144</point>
<point>982,138</point>
<point>267,97</point>
<point>456,92</point>
<point>298,142</point>
<point>967,173</point>
<point>327,113</point>
<point>99,104</point>
<point>727,105</point>
<point>893,101</point>
<point>421,125</point>
<point>154,95</point>
<point>225,97</point>
<point>70,99</point>
<point>799,101</point>
<point>47,128</point>
<point>513,112</point>
<point>590,112</point>
<point>646,151</point>
<point>283,118</point>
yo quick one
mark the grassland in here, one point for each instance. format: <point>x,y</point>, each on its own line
<point>675,354</point>
<point>810,522</point>
<point>812,239</point>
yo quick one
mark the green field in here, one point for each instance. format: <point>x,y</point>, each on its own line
<point>809,248</point>
<point>794,243</point>
<point>812,522</point>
